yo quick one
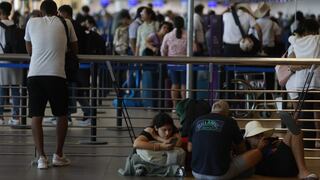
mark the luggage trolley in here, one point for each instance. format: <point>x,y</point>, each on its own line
<point>245,81</point>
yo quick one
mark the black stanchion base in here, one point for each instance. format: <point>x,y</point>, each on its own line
<point>21,127</point>
<point>88,142</point>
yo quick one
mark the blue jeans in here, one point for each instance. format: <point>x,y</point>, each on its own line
<point>15,93</point>
<point>149,81</point>
<point>73,98</point>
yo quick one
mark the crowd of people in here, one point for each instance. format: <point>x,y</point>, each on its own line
<point>218,147</point>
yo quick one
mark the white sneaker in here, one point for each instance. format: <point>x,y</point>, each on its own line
<point>69,123</point>
<point>60,161</point>
<point>13,122</point>
<point>84,123</point>
<point>49,121</point>
<point>42,163</point>
<point>2,122</point>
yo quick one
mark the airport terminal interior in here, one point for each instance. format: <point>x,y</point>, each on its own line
<point>179,59</point>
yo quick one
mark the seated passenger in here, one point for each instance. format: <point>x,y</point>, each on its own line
<point>281,158</point>
<point>211,140</point>
<point>158,151</point>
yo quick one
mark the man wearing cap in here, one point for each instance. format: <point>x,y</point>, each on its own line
<point>211,140</point>
<point>281,158</point>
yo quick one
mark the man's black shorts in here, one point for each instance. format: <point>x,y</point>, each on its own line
<point>42,89</point>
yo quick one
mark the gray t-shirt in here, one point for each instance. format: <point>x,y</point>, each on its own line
<point>49,44</point>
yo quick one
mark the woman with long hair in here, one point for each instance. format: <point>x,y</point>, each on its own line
<point>175,44</point>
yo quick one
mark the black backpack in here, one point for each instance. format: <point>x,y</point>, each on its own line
<point>188,111</point>
<point>14,37</point>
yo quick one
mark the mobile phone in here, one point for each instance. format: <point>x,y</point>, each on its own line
<point>173,141</point>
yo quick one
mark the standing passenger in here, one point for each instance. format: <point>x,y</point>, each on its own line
<point>175,44</point>
<point>9,77</point>
<point>46,42</point>
<point>133,29</point>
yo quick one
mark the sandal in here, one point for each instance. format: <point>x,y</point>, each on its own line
<point>311,176</point>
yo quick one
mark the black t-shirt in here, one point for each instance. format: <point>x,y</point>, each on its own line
<point>212,136</point>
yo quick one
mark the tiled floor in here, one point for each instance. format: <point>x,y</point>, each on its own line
<point>89,162</point>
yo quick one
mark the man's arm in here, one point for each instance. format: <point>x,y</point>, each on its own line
<point>29,47</point>
<point>133,45</point>
<point>240,148</point>
<point>189,147</point>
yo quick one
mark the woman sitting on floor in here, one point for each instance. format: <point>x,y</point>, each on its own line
<point>158,151</point>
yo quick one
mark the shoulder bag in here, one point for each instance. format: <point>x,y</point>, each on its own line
<point>71,59</point>
<point>250,39</point>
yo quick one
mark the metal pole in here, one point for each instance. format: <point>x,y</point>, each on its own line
<point>190,48</point>
<point>93,109</point>
<point>93,102</point>
<point>296,9</point>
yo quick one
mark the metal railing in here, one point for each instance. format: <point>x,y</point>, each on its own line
<point>101,102</point>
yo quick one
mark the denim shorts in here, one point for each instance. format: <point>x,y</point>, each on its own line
<point>177,77</point>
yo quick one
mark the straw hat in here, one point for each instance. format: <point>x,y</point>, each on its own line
<point>220,107</point>
<point>262,10</point>
<point>244,6</point>
<point>254,128</point>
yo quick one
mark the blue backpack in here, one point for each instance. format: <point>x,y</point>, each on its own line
<point>129,97</point>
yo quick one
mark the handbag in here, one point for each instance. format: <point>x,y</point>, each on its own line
<point>71,60</point>
<point>251,43</point>
<point>283,72</point>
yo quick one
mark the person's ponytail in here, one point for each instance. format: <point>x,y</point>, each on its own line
<point>179,25</point>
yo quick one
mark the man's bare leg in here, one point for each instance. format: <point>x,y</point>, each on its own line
<point>61,130</point>
<point>317,126</point>
<point>296,144</point>
<point>37,133</point>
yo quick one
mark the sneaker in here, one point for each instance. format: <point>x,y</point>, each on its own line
<point>13,122</point>
<point>2,122</point>
<point>69,123</point>
<point>60,161</point>
<point>43,163</point>
<point>181,172</point>
<point>141,171</point>
<point>52,120</point>
<point>86,122</point>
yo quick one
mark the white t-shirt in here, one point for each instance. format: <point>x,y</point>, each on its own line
<point>198,32</point>
<point>304,47</point>
<point>231,33</point>
<point>49,44</point>
<point>269,30</point>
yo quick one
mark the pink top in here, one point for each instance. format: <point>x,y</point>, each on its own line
<point>171,46</point>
